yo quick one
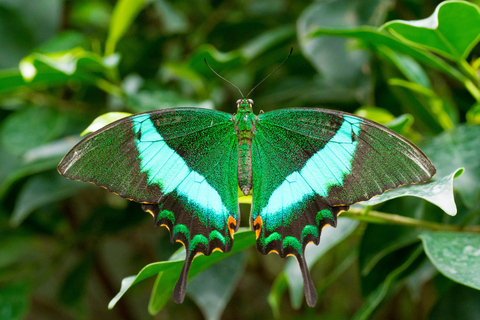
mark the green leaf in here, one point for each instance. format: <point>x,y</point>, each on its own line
<point>148,100</point>
<point>438,191</point>
<point>212,289</point>
<point>330,237</point>
<point>473,115</point>
<point>408,66</point>
<point>103,120</point>
<point>330,55</point>
<point>459,302</point>
<point>276,292</point>
<point>377,296</point>
<point>15,301</point>
<point>123,15</point>
<point>41,190</point>
<point>266,40</point>
<point>67,62</point>
<point>170,270</point>
<point>441,110</point>
<point>39,159</point>
<point>374,38</point>
<point>29,128</point>
<point>451,31</point>
<point>456,255</point>
<point>457,148</point>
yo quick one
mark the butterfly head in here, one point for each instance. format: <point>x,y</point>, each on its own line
<point>245,104</point>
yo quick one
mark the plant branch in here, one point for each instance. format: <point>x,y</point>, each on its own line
<point>387,218</point>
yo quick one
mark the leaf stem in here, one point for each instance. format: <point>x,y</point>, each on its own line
<point>387,218</point>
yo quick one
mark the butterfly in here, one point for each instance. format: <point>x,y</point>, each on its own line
<point>302,166</point>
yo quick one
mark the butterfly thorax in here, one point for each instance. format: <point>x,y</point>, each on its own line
<point>245,127</point>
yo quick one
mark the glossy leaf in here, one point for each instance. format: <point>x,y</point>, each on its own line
<point>451,31</point>
<point>170,270</point>
<point>454,149</point>
<point>456,255</point>
<point>438,191</point>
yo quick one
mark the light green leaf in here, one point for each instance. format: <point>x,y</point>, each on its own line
<point>456,255</point>
<point>473,115</point>
<point>439,192</point>
<point>170,270</point>
<point>103,120</point>
<point>457,148</point>
<point>451,31</point>
<point>123,15</point>
<point>330,237</point>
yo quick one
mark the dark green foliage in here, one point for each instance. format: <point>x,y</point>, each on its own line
<point>66,62</point>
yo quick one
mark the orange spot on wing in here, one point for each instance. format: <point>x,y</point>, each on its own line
<point>257,225</point>
<point>231,221</point>
<point>273,251</point>
<point>178,240</point>
<point>164,225</point>
<point>217,249</point>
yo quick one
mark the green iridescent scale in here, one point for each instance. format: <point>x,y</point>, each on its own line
<point>302,166</point>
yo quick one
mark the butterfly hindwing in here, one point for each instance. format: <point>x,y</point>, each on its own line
<point>181,163</point>
<point>311,164</point>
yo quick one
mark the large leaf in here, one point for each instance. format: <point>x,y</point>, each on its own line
<point>170,270</point>
<point>29,128</point>
<point>374,38</point>
<point>41,190</point>
<point>456,255</point>
<point>456,148</point>
<point>438,191</point>
<point>330,55</point>
<point>330,237</point>
<point>459,302</point>
<point>451,31</point>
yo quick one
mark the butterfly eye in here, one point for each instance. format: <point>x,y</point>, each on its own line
<point>250,101</point>
<point>239,101</point>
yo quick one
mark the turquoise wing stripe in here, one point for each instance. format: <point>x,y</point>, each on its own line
<point>324,170</point>
<point>174,173</point>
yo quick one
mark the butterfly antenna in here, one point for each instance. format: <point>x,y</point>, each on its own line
<point>223,77</point>
<point>291,50</point>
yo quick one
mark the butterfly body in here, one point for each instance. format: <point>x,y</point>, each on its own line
<point>302,166</point>
<point>245,129</point>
